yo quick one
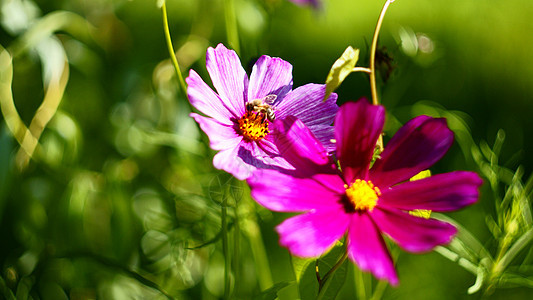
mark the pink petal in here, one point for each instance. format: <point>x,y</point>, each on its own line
<point>229,161</point>
<point>357,128</point>
<point>203,98</point>
<point>261,155</point>
<point>313,233</point>
<point>299,146</point>
<point>367,248</point>
<point>221,136</point>
<point>325,134</point>
<point>228,77</point>
<point>270,76</point>
<point>281,192</point>
<point>307,104</point>
<point>442,192</point>
<point>314,3</point>
<point>412,233</point>
<point>415,147</point>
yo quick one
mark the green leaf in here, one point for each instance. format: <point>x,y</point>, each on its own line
<point>5,291</point>
<point>334,284</point>
<point>272,293</point>
<point>24,288</point>
<point>308,284</point>
<point>299,265</point>
<point>340,69</point>
<point>5,166</point>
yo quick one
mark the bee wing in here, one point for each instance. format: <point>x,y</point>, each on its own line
<point>269,99</point>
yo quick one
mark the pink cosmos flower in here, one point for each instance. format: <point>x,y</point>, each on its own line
<point>313,3</point>
<point>239,116</point>
<point>364,202</point>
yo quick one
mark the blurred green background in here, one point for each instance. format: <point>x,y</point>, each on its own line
<point>120,199</point>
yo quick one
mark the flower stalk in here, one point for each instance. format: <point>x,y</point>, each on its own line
<point>171,49</point>
<point>373,49</point>
<point>232,31</point>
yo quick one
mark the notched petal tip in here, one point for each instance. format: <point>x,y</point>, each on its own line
<point>416,146</point>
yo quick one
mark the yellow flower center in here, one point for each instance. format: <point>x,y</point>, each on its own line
<point>363,195</point>
<point>253,125</point>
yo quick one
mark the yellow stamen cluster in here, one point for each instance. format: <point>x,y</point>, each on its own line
<point>363,194</point>
<point>253,125</point>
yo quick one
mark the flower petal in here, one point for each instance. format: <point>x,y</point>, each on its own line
<point>368,250</point>
<point>270,76</point>
<point>442,192</point>
<point>228,77</point>
<point>314,3</point>
<point>263,155</point>
<point>412,233</point>
<point>415,147</point>
<point>357,128</point>
<point>307,104</point>
<point>299,147</point>
<point>281,192</point>
<point>221,136</point>
<point>313,233</point>
<point>325,134</point>
<point>229,161</point>
<point>203,98</point>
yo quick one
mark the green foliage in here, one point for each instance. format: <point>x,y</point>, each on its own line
<point>342,67</point>
<point>511,223</point>
<point>272,293</point>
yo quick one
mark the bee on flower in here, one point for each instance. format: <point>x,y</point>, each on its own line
<point>238,117</point>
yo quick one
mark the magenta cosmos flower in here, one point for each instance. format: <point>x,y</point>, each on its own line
<point>364,202</point>
<point>239,116</point>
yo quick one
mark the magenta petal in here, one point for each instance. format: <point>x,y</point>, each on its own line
<point>299,146</point>
<point>412,233</point>
<point>203,98</point>
<point>221,136</point>
<point>415,147</point>
<point>307,104</point>
<point>228,77</point>
<point>442,192</point>
<point>313,233</point>
<point>270,76</point>
<point>357,128</point>
<point>229,161</point>
<point>368,250</point>
<point>281,192</point>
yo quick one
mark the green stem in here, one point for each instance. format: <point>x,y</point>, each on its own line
<point>373,49</point>
<point>359,278</point>
<point>379,290</point>
<point>225,250</point>
<point>362,69</point>
<point>232,31</point>
<point>253,233</point>
<point>236,245</point>
<point>523,241</point>
<point>171,52</point>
